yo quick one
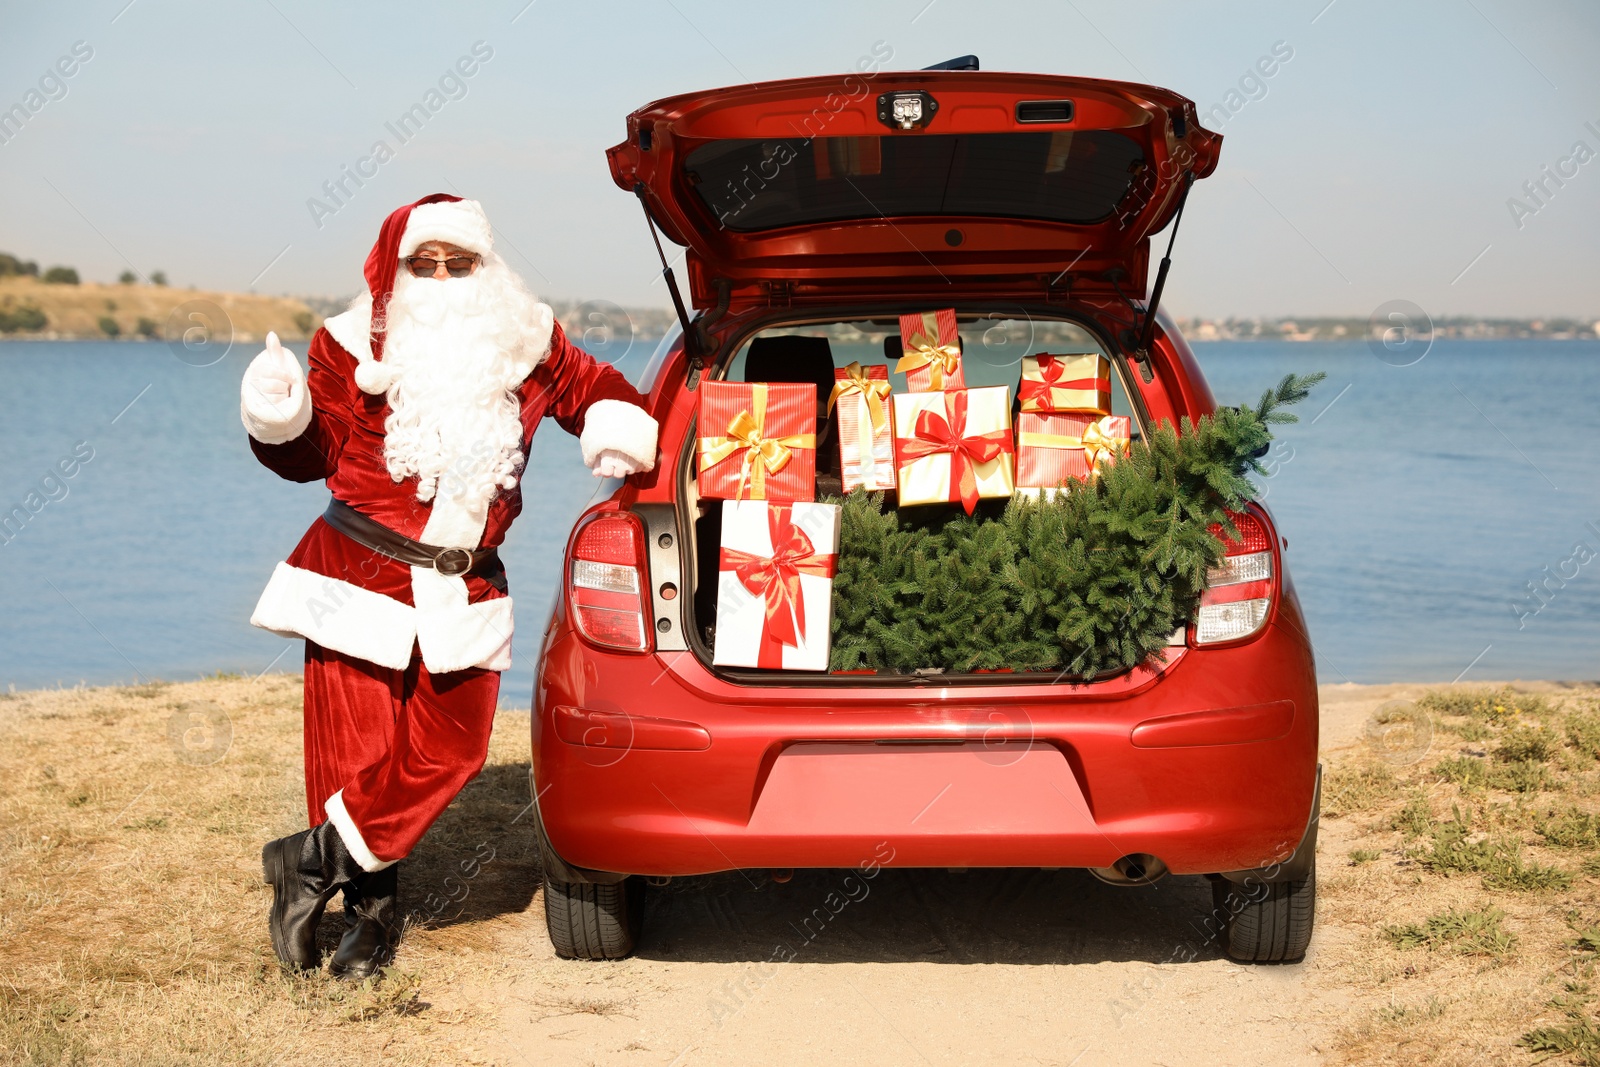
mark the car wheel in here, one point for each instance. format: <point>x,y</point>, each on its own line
<point>594,922</point>
<point>1266,922</point>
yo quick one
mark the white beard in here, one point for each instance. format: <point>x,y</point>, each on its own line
<point>455,351</point>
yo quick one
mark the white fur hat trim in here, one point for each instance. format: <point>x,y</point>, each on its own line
<point>457,222</point>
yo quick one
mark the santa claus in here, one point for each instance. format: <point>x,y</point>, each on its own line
<point>418,411</point>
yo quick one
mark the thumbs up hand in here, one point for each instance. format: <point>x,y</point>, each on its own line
<point>274,402</point>
<point>276,376</point>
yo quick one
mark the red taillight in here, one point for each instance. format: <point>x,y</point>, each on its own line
<point>1242,586</point>
<point>608,582</point>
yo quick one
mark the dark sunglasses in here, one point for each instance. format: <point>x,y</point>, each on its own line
<point>427,267</point>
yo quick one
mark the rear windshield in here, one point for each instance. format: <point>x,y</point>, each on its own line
<point>1061,176</point>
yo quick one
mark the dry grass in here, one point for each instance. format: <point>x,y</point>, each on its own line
<point>132,913</point>
<point>1469,878</point>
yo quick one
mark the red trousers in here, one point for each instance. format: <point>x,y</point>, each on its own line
<point>395,746</point>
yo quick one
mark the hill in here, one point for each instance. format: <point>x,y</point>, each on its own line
<point>91,311</point>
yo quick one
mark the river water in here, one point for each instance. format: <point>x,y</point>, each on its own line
<point>1418,502</point>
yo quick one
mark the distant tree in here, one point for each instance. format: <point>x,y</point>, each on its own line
<point>303,321</point>
<point>127,277</point>
<point>147,328</point>
<point>158,277</point>
<point>108,326</point>
<point>11,266</point>
<point>61,276</point>
<point>27,318</point>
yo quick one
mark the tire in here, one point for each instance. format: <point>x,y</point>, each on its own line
<point>594,922</point>
<point>1266,922</point>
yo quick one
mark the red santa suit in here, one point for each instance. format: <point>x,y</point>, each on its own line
<point>402,662</point>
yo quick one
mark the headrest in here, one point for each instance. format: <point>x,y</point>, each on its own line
<point>791,358</point>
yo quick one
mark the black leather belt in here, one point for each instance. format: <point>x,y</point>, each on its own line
<point>453,562</point>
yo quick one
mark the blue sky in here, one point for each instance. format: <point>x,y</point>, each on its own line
<point>1376,163</point>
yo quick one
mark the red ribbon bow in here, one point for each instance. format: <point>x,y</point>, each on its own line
<point>932,435</point>
<point>1036,395</point>
<point>776,578</point>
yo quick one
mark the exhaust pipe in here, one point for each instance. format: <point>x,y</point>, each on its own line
<point>1136,868</point>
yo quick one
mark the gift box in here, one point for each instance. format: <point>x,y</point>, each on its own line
<point>1076,383</point>
<point>775,585</point>
<point>930,351</point>
<point>954,446</point>
<point>866,426</point>
<point>758,441</point>
<point>1053,449</point>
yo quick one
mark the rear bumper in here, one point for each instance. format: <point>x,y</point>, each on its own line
<point>1211,767</point>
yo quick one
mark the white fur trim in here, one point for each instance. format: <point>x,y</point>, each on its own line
<point>352,328</point>
<point>620,425</point>
<point>451,633</point>
<point>538,342</point>
<point>273,423</point>
<point>454,634</point>
<point>338,615</point>
<point>350,834</point>
<point>457,222</point>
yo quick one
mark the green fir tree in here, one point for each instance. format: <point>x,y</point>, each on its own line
<point>1092,581</point>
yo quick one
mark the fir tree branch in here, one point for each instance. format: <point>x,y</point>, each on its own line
<point>1094,580</point>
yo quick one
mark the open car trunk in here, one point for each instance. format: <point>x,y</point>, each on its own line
<point>810,353</point>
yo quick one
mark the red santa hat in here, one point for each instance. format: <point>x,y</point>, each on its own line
<point>440,217</point>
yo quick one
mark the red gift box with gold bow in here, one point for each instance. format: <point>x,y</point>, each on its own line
<point>1075,383</point>
<point>866,426</point>
<point>954,446</point>
<point>775,585</point>
<point>758,440</point>
<point>1054,449</point>
<point>930,351</point>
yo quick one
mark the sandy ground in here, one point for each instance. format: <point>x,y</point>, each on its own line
<point>929,967</point>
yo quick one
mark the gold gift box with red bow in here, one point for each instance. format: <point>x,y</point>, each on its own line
<point>954,446</point>
<point>1076,383</point>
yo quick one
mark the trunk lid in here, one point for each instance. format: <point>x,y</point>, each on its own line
<point>891,184</point>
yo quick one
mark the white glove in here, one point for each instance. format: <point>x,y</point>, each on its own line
<point>611,463</point>
<point>274,402</point>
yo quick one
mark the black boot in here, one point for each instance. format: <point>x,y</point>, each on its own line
<point>369,915</point>
<point>304,871</point>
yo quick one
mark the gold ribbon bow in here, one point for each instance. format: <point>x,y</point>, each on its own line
<point>922,349</point>
<point>763,455</point>
<point>875,391</point>
<point>1100,442</point>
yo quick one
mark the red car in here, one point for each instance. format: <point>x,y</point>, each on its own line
<point>814,212</point>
